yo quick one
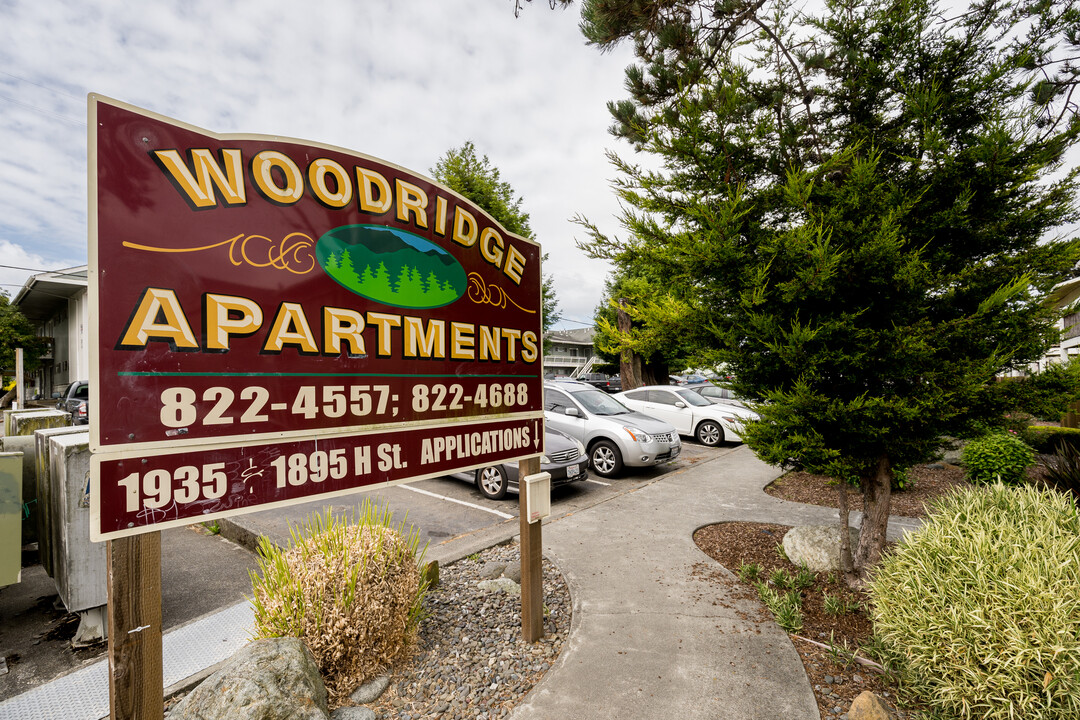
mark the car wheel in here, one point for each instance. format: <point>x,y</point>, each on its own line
<point>709,433</point>
<point>605,458</point>
<point>492,482</point>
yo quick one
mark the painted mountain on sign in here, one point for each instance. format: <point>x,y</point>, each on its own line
<point>391,266</point>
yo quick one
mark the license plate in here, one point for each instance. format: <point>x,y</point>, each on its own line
<point>572,471</point>
<point>675,451</point>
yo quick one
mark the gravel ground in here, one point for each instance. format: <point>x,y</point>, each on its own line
<point>471,662</point>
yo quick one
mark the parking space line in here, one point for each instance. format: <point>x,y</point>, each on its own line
<point>598,482</point>
<point>459,502</point>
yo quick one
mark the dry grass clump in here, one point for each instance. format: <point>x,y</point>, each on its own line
<point>980,609</point>
<point>352,591</point>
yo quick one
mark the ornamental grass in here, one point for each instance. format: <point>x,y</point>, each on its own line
<point>352,591</point>
<point>980,609</point>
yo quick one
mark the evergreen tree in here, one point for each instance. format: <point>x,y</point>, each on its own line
<point>857,203</point>
<point>345,269</point>
<point>408,284</point>
<point>381,289</point>
<point>18,332</point>
<point>475,178</point>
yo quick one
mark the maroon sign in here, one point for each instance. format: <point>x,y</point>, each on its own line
<point>179,488</point>
<point>273,320</point>
<point>250,288</point>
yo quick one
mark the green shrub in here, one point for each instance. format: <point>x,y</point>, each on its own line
<point>997,456</point>
<point>780,579</point>
<point>785,607</point>
<point>749,572</point>
<point>352,592</point>
<point>1062,470</point>
<point>901,480</point>
<point>1046,395</point>
<point>1046,438</point>
<point>979,610</point>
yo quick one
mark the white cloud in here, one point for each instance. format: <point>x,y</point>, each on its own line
<point>400,81</point>
<point>18,264</point>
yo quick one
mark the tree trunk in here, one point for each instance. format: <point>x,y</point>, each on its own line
<point>877,493</point>
<point>847,567</point>
<point>654,373</point>
<point>629,362</point>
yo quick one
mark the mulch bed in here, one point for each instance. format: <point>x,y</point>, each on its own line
<point>925,483</point>
<point>836,677</point>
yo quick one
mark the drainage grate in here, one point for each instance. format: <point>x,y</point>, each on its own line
<point>186,650</point>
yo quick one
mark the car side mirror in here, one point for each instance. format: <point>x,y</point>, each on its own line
<point>573,412</point>
<point>680,404</point>
<point>56,396</point>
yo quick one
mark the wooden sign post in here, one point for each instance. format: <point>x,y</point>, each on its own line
<point>213,395</point>
<point>136,687</point>
<point>532,580</point>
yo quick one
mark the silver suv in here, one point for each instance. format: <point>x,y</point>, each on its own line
<point>613,434</point>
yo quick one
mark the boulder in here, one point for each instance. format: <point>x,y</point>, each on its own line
<point>868,706</point>
<point>370,691</point>
<point>513,571</point>
<point>270,679</point>
<point>502,584</point>
<point>817,546</point>
<point>349,712</point>
<point>492,570</point>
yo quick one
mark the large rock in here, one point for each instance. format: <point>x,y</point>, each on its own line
<point>270,679</point>
<point>868,706</point>
<point>817,546</point>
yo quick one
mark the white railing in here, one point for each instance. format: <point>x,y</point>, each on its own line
<point>564,360</point>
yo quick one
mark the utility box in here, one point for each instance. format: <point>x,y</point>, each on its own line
<point>25,445</point>
<point>79,566</point>
<point>25,422</point>
<point>10,518</point>
<point>42,511</point>
<point>537,496</point>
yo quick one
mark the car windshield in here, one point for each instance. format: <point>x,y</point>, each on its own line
<point>692,399</point>
<point>600,403</point>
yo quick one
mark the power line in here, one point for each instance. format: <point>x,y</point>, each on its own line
<point>44,87</point>
<point>561,319</point>
<point>40,270</point>
<point>65,118</point>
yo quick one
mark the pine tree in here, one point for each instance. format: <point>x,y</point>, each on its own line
<point>856,207</point>
<point>480,181</point>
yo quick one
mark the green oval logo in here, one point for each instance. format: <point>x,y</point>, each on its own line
<point>391,266</point>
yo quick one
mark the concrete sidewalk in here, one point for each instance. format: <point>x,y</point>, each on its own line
<point>650,637</point>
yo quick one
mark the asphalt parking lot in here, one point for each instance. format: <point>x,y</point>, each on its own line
<point>204,572</point>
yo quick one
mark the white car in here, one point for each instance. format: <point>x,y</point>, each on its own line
<point>690,413</point>
<point>613,434</point>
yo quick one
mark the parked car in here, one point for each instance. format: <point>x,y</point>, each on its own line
<point>597,380</point>
<point>690,413</point>
<point>614,435</point>
<point>75,400</point>
<point>718,395</point>
<point>564,459</point>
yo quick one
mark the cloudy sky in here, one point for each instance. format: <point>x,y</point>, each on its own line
<point>401,80</point>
